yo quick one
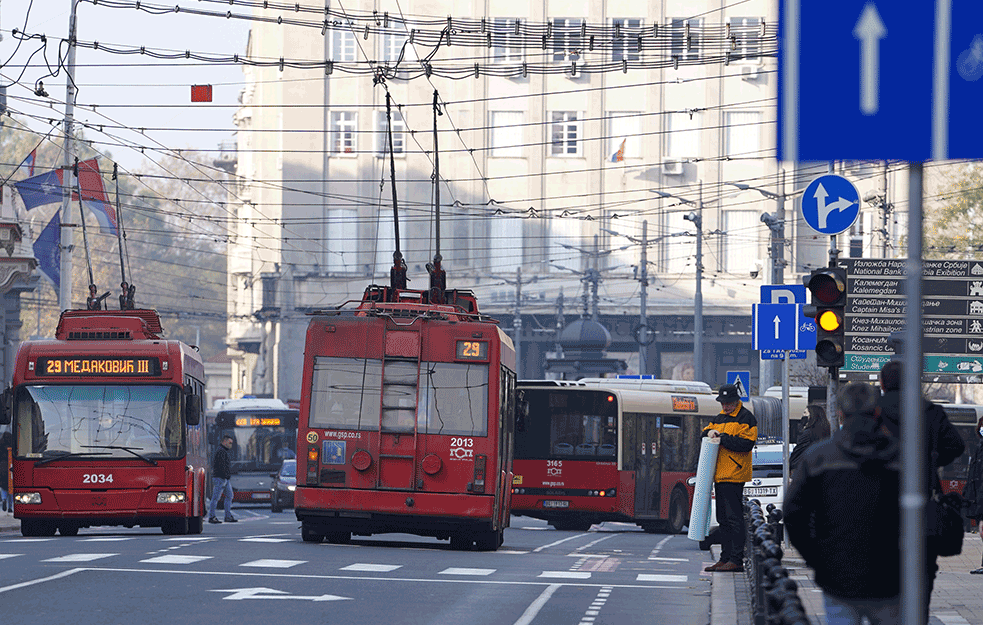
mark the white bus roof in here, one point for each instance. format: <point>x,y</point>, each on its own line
<point>650,384</point>
<point>250,403</point>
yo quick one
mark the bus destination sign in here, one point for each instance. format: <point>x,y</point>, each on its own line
<point>98,366</point>
<point>952,317</point>
<point>472,350</point>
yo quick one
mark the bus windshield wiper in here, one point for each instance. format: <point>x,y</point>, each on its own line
<point>132,450</point>
<point>70,454</point>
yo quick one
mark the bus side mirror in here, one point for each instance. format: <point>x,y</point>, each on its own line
<point>6,406</point>
<point>192,409</point>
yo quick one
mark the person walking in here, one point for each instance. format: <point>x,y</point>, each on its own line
<point>222,481</point>
<point>943,445</point>
<point>973,492</point>
<point>843,516</point>
<point>737,430</point>
<point>815,429</point>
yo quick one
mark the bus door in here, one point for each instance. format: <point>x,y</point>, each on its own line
<point>647,464</point>
<point>398,438</point>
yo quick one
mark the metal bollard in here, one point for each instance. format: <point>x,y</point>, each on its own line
<point>774,597</point>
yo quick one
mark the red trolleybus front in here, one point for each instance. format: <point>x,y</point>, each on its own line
<point>406,425</point>
<point>106,427</point>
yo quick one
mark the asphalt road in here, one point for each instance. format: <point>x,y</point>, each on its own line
<point>259,571</point>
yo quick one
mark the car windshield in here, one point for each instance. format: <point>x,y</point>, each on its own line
<point>289,469</point>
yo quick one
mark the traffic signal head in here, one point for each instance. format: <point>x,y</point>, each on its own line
<point>828,288</point>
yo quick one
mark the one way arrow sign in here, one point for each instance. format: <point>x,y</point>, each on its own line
<point>238,594</point>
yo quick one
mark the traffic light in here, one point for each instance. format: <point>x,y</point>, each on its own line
<point>828,306</point>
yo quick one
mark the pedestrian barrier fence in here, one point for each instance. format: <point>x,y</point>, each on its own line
<point>774,595</point>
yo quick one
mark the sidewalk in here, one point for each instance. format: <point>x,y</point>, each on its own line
<point>8,523</point>
<point>956,600</point>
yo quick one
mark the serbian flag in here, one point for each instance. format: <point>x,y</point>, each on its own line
<point>48,188</point>
<point>619,155</point>
<point>47,249</point>
<point>27,167</point>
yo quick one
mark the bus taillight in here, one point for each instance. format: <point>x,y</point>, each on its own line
<point>312,466</point>
<point>478,485</point>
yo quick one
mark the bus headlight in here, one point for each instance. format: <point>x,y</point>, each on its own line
<point>170,497</point>
<point>291,488</point>
<point>24,498</point>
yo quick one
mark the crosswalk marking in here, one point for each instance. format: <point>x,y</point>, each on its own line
<point>459,571</point>
<point>81,557</point>
<point>566,574</point>
<point>950,618</point>
<point>644,577</point>
<point>188,538</point>
<point>175,559</point>
<point>4,556</point>
<point>266,540</point>
<point>106,539</point>
<point>371,568</point>
<point>274,564</point>
<point>28,540</point>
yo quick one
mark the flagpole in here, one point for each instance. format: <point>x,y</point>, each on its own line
<point>67,238</point>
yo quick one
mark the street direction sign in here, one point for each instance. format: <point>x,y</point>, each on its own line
<point>789,294</point>
<point>965,84</point>
<point>742,380</point>
<point>830,204</point>
<point>952,315</point>
<point>777,327</point>
<point>856,80</point>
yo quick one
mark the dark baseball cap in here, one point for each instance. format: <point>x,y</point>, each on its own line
<point>728,392</point>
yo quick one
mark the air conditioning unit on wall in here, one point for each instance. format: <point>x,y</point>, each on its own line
<point>672,168</point>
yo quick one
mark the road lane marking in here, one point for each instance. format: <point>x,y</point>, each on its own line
<point>41,580</point>
<point>460,571</point>
<point>172,559</point>
<point>106,539</point>
<point>274,564</point>
<point>238,594</point>
<point>266,540</point>
<point>565,574</point>
<point>647,577</point>
<point>530,614</point>
<point>562,540</point>
<point>591,544</point>
<point>371,568</point>
<point>81,557</point>
<point>4,556</point>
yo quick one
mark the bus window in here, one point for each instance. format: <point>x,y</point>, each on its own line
<point>345,393</point>
<point>453,399</point>
<point>673,451</point>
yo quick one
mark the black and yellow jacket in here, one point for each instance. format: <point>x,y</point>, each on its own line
<point>738,434</point>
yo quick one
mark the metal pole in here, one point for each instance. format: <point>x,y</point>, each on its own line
<point>643,334</point>
<point>698,308</point>
<point>913,475</point>
<point>67,238</point>
<point>517,322</point>
<point>785,434</point>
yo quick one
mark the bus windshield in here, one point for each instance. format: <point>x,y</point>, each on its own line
<point>261,449</point>
<point>106,421</point>
<point>576,425</point>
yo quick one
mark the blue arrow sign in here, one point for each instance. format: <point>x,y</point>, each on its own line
<point>742,380</point>
<point>830,204</point>
<point>774,326</point>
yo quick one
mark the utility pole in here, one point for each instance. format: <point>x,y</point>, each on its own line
<point>643,332</point>
<point>697,219</point>
<point>517,322</point>
<point>67,234</point>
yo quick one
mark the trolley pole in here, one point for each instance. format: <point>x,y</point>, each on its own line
<point>67,234</point>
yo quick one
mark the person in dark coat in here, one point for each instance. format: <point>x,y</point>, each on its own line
<point>943,445</point>
<point>843,515</point>
<point>222,481</point>
<point>815,429</point>
<point>973,492</point>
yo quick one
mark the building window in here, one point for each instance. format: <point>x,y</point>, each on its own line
<point>740,240</point>
<point>343,129</point>
<point>743,134</point>
<point>382,133</point>
<point>506,133</point>
<point>506,43</point>
<point>566,39</point>
<point>683,135</point>
<point>392,43</point>
<point>745,34</point>
<point>625,46</point>
<point>687,36</point>
<point>565,127</point>
<point>624,135</point>
<point>343,47</point>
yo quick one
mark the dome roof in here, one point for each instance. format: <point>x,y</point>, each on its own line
<point>585,334</point>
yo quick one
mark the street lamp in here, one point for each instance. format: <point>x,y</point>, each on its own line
<point>775,223</point>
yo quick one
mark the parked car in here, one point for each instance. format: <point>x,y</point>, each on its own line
<point>284,484</point>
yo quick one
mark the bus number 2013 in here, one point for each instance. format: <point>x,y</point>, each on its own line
<point>462,442</point>
<point>97,478</point>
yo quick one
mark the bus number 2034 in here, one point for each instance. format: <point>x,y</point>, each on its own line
<point>97,478</point>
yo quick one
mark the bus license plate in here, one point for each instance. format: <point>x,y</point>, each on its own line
<point>556,504</point>
<point>261,495</point>
<point>765,491</point>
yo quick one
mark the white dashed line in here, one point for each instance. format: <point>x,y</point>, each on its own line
<point>566,574</point>
<point>274,564</point>
<point>458,571</point>
<point>371,568</point>
<point>643,577</point>
<point>176,559</point>
<point>81,557</point>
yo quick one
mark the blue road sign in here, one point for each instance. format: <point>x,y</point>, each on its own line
<point>783,294</point>
<point>742,380</point>
<point>856,80</point>
<point>774,326</point>
<point>965,80</point>
<point>830,204</point>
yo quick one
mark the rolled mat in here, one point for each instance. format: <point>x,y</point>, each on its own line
<point>699,516</point>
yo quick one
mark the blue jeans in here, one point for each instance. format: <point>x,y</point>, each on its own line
<point>840,611</point>
<point>220,486</point>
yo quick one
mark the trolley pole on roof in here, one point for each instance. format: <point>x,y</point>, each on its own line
<point>67,238</point>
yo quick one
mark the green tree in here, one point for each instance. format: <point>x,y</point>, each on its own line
<point>954,225</point>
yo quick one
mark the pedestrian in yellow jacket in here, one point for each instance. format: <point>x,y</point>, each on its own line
<point>737,430</point>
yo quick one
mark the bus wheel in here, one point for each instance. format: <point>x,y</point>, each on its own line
<point>490,540</point>
<point>37,527</point>
<point>175,526</point>
<point>68,529</point>
<point>461,542</point>
<point>309,535</point>
<point>339,538</point>
<point>677,512</point>
<point>196,524</point>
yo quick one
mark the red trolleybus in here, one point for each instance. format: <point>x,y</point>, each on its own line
<point>264,434</point>
<point>106,427</point>
<point>603,451</point>
<point>406,420</point>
